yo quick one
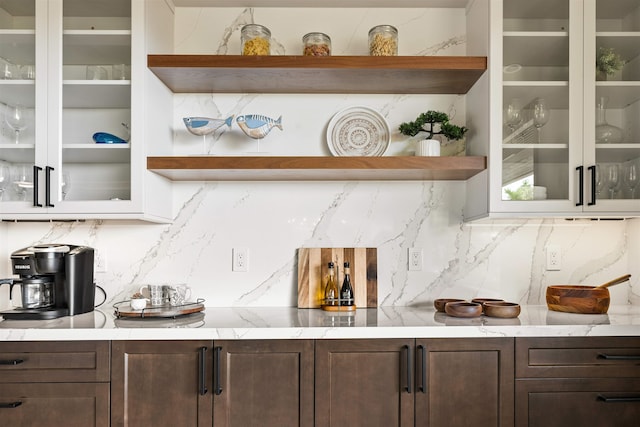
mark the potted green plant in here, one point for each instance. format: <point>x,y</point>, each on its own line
<point>432,123</point>
<point>608,62</point>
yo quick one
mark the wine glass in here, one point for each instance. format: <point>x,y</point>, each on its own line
<point>540,114</point>
<point>612,178</point>
<point>631,178</point>
<point>65,185</point>
<point>5,176</point>
<point>22,178</point>
<point>600,172</point>
<point>16,118</point>
<point>513,114</point>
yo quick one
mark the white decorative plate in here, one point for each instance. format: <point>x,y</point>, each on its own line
<point>358,131</point>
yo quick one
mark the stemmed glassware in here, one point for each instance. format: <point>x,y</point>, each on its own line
<point>5,175</point>
<point>612,178</point>
<point>65,185</point>
<point>16,119</point>
<point>513,114</point>
<point>631,178</point>
<point>540,114</point>
<point>22,178</point>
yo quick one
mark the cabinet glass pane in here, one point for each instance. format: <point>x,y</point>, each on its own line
<point>535,138</point>
<point>617,127</point>
<point>17,99</point>
<point>96,98</point>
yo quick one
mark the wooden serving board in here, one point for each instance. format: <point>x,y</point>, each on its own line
<point>312,273</point>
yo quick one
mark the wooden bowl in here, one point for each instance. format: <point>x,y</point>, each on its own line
<point>578,299</point>
<point>441,302</point>
<point>463,309</point>
<point>502,309</point>
<point>481,301</point>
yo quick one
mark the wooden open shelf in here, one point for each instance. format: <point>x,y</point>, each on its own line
<point>204,168</point>
<point>310,74</point>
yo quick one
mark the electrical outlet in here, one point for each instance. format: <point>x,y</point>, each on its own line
<point>240,259</point>
<point>100,262</point>
<point>415,259</point>
<point>554,258</point>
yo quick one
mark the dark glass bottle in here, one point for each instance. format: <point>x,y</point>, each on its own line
<point>346,293</point>
<point>331,293</point>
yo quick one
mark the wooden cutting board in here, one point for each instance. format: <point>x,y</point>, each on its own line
<point>312,273</point>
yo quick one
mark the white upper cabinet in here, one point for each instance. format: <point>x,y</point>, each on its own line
<point>82,88</point>
<point>562,142</point>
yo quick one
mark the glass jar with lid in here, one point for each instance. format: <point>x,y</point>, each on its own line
<point>383,41</point>
<point>255,40</point>
<point>316,44</point>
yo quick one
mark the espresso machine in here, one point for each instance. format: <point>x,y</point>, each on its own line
<point>56,280</point>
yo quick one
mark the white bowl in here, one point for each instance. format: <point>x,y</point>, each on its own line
<point>138,303</point>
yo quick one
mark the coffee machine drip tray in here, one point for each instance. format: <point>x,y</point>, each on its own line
<point>34,313</point>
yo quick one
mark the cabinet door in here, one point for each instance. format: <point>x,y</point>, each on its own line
<point>578,402</point>
<point>612,103</point>
<point>161,383</point>
<point>22,99</point>
<point>263,383</point>
<point>54,404</point>
<point>538,120</point>
<point>462,382</point>
<point>364,382</point>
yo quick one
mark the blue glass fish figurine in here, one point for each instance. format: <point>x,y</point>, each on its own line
<point>205,125</point>
<point>258,126</point>
<point>107,138</point>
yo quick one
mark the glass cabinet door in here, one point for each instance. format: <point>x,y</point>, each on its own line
<point>538,95</point>
<point>612,113</point>
<point>96,102</point>
<point>19,121</point>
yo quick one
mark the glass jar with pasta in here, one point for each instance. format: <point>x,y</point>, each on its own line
<point>255,39</point>
<point>383,41</point>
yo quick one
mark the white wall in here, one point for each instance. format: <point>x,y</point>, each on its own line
<point>272,220</point>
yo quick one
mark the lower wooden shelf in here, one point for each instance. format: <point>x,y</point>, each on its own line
<point>321,168</point>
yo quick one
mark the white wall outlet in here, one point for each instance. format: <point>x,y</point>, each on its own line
<point>100,261</point>
<point>415,259</point>
<point>554,258</point>
<point>240,259</point>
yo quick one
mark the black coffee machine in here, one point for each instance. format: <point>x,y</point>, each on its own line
<point>56,281</point>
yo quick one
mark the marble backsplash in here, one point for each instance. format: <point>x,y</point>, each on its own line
<point>272,219</point>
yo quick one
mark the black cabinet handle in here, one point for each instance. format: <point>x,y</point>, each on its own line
<point>580,170</point>
<point>202,371</point>
<point>217,388</point>
<point>10,405</point>
<point>36,170</point>
<point>592,169</point>
<point>11,362</point>
<point>618,356</point>
<point>617,399</point>
<point>407,386</point>
<point>47,184</point>
<point>423,369</point>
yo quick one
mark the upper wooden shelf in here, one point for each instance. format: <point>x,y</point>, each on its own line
<point>213,168</point>
<point>312,74</point>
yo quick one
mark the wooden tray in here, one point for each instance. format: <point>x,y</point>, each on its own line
<point>312,270</point>
<point>124,309</point>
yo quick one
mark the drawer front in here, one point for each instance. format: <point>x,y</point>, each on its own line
<point>577,402</point>
<point>60,361</point>
<point>578,357</point>
<point>54,404</point>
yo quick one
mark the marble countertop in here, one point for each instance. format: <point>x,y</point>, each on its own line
<point>292,323</point>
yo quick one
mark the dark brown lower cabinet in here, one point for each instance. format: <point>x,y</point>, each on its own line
<point>161,383</point>
<point>54,404</point>
<point>578,381</point>
<point>266,383</point>
<point>464,382</point>
<point>63,384</point>
<point>406,382</point>
<point>365,382</point>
